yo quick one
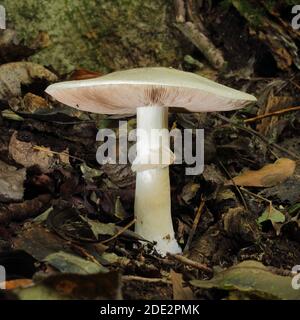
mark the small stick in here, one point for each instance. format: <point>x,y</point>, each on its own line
<point>179,10</point>
<point>263,138</point>
<point>256,195</point>
<point>195,224</point>
<point>201,42</point>
<point>190,262</point>
<point>271,114</point>
<point>84,253</point>
<point>120,231</point>
<point>236,187</point>
<point>54,152</point>
<point>148,280</point>
<point>295,84</point>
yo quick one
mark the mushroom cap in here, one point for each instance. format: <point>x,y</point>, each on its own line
<point>122,92</point>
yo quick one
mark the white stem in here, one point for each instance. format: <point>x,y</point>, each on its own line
<point>152,196</point>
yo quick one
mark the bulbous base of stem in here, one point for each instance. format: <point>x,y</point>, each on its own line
<point>164,246</point>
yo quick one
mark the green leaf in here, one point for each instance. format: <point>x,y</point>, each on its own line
<point>254,279</point>
<point>69,263</point>
<point>43,216</point>
<point>109,229</point>
<point>100,229</point>
<point>271,214</point>
<point>10,115</point>
<point>119,210</point>
<point>89,173</point>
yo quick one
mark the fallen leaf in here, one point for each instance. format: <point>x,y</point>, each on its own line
<point>67,223</point>
<point>39,242</point>
<point>271,214</point>
<point>14,75</point>
<point>120,212</point>
<point>82,74</point>
<point>33,103</point>
<point>101,229</point>
<point>43,216</point>
<point>268,176</point>
<point>89,173</point>
<point>11,182</point>
<point>287,192</point>
<point>70,263</point>
<point>189,191</point>
<point>24,210</point>
<point>252,278</point>
<point>275,216</point>
<point>179,292</point>
<point>268,126</point>
<point>35,155</point>
<point>10,115</point>
<point>13,284</point>
<point>110,229</point>
<point>74,287</point>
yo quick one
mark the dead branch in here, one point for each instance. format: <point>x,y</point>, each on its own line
<point>201,41</point>
<point>191,263</point>
<point>195,224</point>
<point>271,114</point>
<point>179,11</point>
<point>148,280</point>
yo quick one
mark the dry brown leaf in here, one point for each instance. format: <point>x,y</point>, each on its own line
<point>82,74</point>
<point>179,292</point>
<point>11,182</point>
<point>13,284</point>
<point>268,176</point>
<point>43,157</point>
<point>33,103</point>
<point>14,75</point>
<point>273,103</point>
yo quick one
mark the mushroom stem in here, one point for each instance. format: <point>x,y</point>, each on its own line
<point>152,195</point>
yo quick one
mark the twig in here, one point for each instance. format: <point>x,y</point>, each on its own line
<point>54,152</point>
<point>195,224</point>
<point>179,11</point>
<point>236,187</point>
<point>120,231</point>
<point>256,195</point>
<point>200,40</point>
<point>190,262</point>
<point>84,253</point>
<point>275,113</point>
<point>264,139</point>
<point>295,84</point>
<point>148,280</point>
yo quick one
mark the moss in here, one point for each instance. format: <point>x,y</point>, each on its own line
<point>97,34</point>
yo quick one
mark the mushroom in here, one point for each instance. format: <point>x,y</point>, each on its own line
<point>149,92</point>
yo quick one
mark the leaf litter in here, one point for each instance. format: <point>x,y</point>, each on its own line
<point>68,221</point>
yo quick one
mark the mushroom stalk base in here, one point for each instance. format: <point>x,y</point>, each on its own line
<point>152,196</point>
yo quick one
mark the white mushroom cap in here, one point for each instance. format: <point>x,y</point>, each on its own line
<point>123,91</point>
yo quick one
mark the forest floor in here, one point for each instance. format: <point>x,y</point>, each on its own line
<point>66,222</point>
